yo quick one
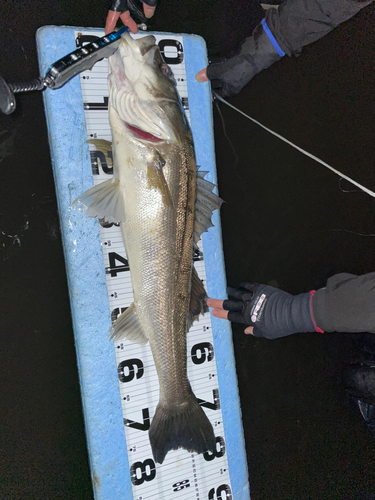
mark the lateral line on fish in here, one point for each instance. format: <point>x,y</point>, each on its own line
<point>301,150</point>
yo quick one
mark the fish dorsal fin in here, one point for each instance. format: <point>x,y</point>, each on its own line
<point>127,327</point>
<point>198,300</point>
<point>156,179</point>
<point>104,201</point>
<point>206,203</point>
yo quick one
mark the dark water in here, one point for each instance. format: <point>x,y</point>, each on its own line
<point>286,222</point>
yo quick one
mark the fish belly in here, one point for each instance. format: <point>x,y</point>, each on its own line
<point>158,239</point>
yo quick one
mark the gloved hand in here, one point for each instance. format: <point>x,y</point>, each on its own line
<point>123,9</point>
<point>272,312</point>
<point>257,52</point>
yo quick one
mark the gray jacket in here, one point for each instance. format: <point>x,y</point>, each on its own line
<point>283,31</point>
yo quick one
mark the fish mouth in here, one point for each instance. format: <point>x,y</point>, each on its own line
<point>140,89</point>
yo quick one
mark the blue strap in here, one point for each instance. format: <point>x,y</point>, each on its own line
<point>272,38</point>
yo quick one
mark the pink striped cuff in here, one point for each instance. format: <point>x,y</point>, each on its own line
<point>319,330</point>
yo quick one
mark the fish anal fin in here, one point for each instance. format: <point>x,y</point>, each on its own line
<point>127,327</point>
<point>198,299</point>
<point>156,179</point>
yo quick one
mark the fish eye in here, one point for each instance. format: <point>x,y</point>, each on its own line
<point>166,69</point>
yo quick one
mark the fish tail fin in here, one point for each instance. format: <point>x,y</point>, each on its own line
<point>183,426</point>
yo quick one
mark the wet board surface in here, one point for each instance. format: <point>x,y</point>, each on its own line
<point>119,384</point>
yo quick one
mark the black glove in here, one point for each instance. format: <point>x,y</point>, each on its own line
<point>272,312</point>
<point>123,5</point>
<point>256,53</point>
<point>133,6</point>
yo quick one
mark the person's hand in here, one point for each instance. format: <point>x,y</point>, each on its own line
<point>230,75</point>
<point>201,76</point>
<point>219,312</point>
<point>268,311</point>
<point>120,9</point>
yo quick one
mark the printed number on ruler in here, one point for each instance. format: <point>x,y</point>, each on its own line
<point>182,475</point>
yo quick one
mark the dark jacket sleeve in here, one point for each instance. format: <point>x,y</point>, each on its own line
<point>297,23</point>
<point>346,304</point>
<point>285,30</point>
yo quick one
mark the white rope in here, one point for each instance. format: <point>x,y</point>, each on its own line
<point>365,189</point>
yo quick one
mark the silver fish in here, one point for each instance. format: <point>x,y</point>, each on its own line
<point>164,205</point>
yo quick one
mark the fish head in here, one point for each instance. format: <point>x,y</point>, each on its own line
<point>143,101</point>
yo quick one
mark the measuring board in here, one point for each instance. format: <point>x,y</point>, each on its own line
<point>119,384</point>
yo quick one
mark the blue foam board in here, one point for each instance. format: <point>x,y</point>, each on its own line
<point>86,275</point>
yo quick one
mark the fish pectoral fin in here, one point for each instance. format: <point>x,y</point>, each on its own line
<point>198,300</point>
<point>101,145</point>
<point>104,147</point>
<point>156,179</point>
<point>206,203</point>
<point>127,327</point>
<point>104,201</point>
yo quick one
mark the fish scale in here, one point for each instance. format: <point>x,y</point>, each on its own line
<point>173,310</point>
